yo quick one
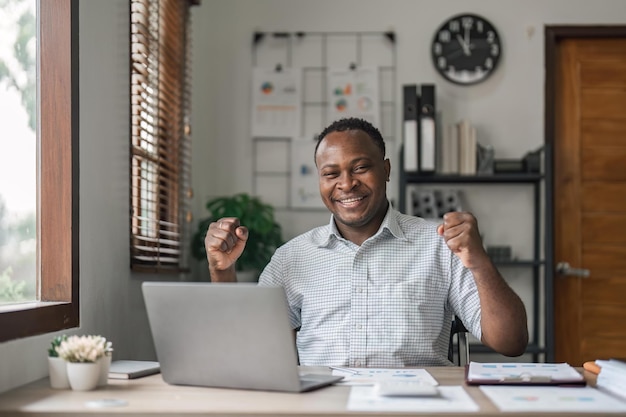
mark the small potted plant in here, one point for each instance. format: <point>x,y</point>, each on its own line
<point>57,367</point>
<point>54,345</point>
<point>265,234</point>
<point>83,354</point>
<point>105,362</point>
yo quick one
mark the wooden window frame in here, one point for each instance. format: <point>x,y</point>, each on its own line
<point>57,219</point>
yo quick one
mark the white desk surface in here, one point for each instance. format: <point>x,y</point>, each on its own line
<point>151,396</point>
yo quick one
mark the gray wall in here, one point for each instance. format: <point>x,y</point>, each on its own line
<point>508,110</point>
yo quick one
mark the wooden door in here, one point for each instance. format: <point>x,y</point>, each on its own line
<point>590,199</point>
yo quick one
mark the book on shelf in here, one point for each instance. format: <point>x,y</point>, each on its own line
<point>427,136</point>
<point>449,155</point>
<point>131,369</point>
<point>467,148</point>
<point>410,118</point>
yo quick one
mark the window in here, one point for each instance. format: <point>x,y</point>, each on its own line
<point>56,304</point>
<point>18,152</point>
<point>160,136</point>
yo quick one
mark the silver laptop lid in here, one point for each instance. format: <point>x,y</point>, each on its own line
<point>222,335</point>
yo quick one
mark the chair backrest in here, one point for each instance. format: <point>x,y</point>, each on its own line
<point>458,329</point>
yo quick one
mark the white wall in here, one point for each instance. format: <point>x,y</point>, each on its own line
<point>508,110</point>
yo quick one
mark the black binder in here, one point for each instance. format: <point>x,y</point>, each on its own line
<point>410,127</point>
<point>427,130</point>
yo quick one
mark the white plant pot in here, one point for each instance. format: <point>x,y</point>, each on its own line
<point>105,364</point>
<point>83,376</point>
<point>57,369</point>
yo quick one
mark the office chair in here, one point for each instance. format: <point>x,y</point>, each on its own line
<point>458,329</point>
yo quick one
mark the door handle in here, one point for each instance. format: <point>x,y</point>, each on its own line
<point>564,269</point>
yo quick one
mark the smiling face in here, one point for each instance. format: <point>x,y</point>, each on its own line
<point>352,179</point>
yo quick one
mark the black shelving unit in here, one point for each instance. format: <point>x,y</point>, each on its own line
<point>538,261</point>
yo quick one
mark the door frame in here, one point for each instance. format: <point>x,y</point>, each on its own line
<point>553,36</point>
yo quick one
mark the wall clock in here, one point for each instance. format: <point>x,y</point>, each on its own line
<point>466,49</point>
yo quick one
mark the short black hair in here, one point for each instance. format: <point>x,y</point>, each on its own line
<point>353,123</point>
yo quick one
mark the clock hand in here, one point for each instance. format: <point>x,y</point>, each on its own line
<point>467,41</point>
<point>465,46</point>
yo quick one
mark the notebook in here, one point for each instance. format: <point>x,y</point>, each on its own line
<point>226,335</point>
<point>131,369</point>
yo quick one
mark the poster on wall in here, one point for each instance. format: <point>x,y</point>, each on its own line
<point>304,180</point>
<point>276,102</point>
<point>354,93</point>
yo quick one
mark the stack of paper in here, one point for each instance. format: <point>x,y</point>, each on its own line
<point>612,377</point>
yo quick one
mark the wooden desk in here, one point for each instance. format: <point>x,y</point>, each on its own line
<point>151,396</point>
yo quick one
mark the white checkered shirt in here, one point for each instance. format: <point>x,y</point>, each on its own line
<point>386,303</point>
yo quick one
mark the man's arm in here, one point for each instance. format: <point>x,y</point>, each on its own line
<point>503,315</point>
<point>224,242</point>
<point>503,319</point>
<point>226,275</point>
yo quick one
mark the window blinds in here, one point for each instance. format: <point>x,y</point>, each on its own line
<point>160,134</point>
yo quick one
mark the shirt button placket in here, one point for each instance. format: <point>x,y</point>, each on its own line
<point>358,312</point>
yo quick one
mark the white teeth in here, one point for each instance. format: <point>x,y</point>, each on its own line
<point>350,200</point>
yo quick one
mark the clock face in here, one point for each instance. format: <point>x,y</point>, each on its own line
<point>466,49</point>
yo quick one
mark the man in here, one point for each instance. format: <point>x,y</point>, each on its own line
<point>377,288</point>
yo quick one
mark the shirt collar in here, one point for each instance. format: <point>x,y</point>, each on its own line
<point>390,222</point>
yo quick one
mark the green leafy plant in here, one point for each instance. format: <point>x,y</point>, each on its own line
<point>265,235</point>
<point>54,344</point>
<point>11,290</point>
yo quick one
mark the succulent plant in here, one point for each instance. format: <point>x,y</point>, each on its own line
<point>54,344</point>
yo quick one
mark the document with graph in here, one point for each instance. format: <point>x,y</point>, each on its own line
<point>522,374</point>
<point>276,102</point>
<point>553,399</point>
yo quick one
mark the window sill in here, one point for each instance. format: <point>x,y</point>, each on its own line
<point>31,319</point>
<point>6,308</point>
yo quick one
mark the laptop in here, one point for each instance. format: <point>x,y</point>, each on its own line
<point>226,335</point>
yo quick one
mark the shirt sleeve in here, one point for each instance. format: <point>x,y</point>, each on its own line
<point>274,275</point>
<point>463,296</point>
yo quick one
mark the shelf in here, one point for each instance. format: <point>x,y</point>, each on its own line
<point>536,263</point>
<point>522,178</point>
